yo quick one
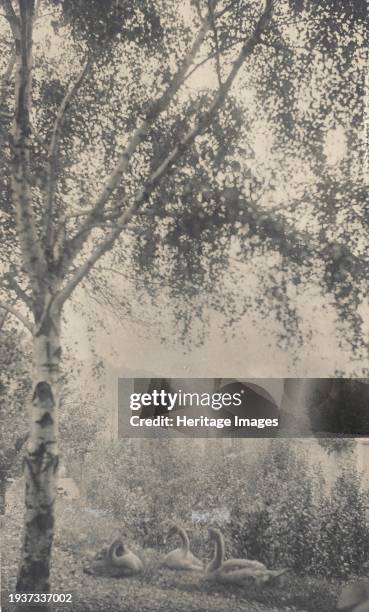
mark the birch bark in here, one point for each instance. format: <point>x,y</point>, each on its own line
<point>41,459</point>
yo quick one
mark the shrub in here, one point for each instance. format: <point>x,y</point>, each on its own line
<point>343,533</point>
<point>278,527</point>
<point>146,489</point>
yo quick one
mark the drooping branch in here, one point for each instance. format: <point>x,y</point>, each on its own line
<point>299,247</point>
<point>53,153</point>
<point>14,311</point>
<point>156,109</point>
<point>152,182</point>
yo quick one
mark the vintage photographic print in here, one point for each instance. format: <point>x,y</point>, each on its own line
<point>184,317</point>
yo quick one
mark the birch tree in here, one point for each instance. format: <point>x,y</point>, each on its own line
<point>77,186</point>
<point>53,251</point>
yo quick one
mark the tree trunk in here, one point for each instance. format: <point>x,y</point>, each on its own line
<point>41,459</point>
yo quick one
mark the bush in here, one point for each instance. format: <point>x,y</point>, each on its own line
<point>147,489</point>
<point>278,526</point>
<point>295,521</point>
<point>343,531</point>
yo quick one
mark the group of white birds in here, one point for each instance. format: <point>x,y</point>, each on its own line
<point>123,562</point>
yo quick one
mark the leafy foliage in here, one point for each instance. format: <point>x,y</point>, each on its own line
<point>341,547</point>
<point>300,523</point>
<point>278,528</point>
<point>341,446</point>
<point>281,216</point>
<point>147,489</point>
<point>103,24</point>
<point>14,391</point>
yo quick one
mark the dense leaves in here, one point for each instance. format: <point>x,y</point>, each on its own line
<point>265,187</point>
<point>342,545</point>
<point>105,23</point>
<point>296,520</point>
<point>14,391</point>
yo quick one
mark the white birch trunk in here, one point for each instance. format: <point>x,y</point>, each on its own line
<point>41,460</point>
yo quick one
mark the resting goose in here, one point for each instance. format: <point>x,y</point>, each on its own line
<point>182,558</point>
<point>117,561</point>
<point>236,571</point>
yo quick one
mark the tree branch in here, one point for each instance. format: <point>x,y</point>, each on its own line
<point>53,152</point>
<point>128,276</point>
<point>157,108</point>
<point>12,310</point>
<point>211,56</point>
<point>300,247</point>
<point>152,182</point>
<point>13,285</point>
<point>216,41</point>
<point>12,18</point>
<point>3,319</point>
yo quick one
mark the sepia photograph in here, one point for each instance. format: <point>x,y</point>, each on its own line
<point>184,316</point>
